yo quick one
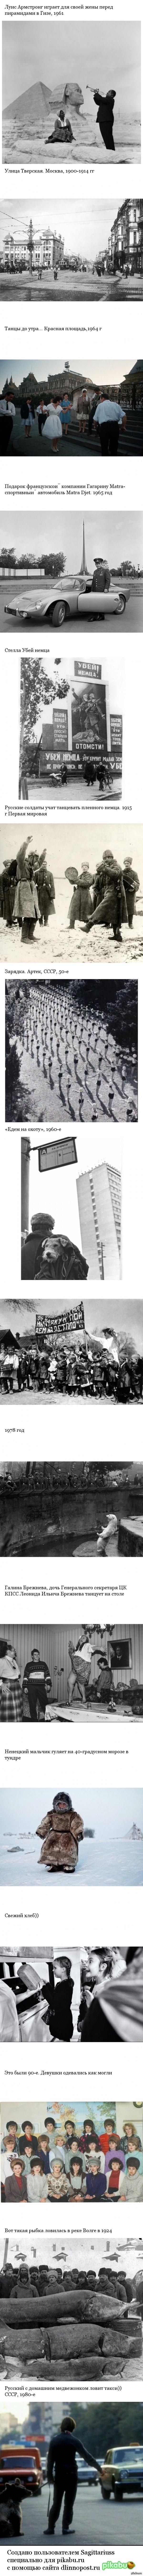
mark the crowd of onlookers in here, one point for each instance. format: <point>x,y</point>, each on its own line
<point>66,2162</point>
<point>54,1368</point>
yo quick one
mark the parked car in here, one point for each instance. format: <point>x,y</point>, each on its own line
<point>47,605</point>
<point>122,2471</point>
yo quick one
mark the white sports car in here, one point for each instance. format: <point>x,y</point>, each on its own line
<point>48,604</point>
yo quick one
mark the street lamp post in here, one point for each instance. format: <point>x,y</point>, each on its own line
<point>30,246</point>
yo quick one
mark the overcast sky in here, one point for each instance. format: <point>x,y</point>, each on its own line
<point>21,1808</point>
<point>127,1316</point>
<point>113,534</point>
<point>84,227</point>
<point>106,56</point>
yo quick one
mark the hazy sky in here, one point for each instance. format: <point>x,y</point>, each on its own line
<point>114,535</point>
<point>110,371</point>
<point>84,227</point>
<point>21,1808</point>
<point>126,836</point>
<point>108,56</point>
<point>126,1317</point>
<point>20,2415</point>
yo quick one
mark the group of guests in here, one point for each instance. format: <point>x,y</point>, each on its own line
<point>80,411</point>
<point>66,2163</point>
<point>27,1699</point>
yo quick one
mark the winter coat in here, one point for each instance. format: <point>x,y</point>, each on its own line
<point>81,905</point>
<point>26,907</point>
<point>62,1835</point>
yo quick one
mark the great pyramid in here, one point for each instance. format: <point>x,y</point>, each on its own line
<point>30,102</point>
<point>34,103</point>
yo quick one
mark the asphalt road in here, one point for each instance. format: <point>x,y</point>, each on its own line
<point>132,619</point>
<point>93,2520</point>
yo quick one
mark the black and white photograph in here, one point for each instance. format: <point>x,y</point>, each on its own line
<point>80,2152</point>
<point>72,251</point>
<point>72,410</point>
<point>61,1350</point>
<point>71,1047</point>
<point>55,2466</point>
<point>79,1509</point>
<point>77,1232</point>
<point>96,894</point>
<point>57,1672</point>
<point>111,1996</point>
<point>59,567</point>
<point>84,107</point>
<point>57,2290</point>
<point>87,1998</point>
<point>71,729</point>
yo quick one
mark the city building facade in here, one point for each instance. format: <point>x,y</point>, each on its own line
<point>126,238</point>
<point>99,1203</point>
<point>47,251</point>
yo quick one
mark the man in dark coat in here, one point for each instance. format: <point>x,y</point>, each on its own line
<point>101,576</point>
<point>7,894</point>
<point>131,889</point>
<point>59,2013</point>
<point>105,116</point>
<point>48,1255</point>
<point>46,892</point>
<point>36,1685</point>
<point>81,905</point>
<point>109,897</point>
<point>27,405</point>
<point>62,2468</point>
